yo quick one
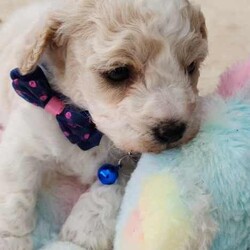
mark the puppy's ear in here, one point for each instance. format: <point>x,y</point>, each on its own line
<point>198,22</point>
<point>203,27</point>
<point>42,36</point>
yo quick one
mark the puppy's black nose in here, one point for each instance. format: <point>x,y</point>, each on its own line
<point>169,132</point>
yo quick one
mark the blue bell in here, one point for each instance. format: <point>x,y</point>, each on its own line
<point>108,174</point>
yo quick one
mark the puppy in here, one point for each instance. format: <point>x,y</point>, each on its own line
<point>133,65</point>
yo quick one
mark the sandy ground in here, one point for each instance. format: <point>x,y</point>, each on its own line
<point>228,24</point>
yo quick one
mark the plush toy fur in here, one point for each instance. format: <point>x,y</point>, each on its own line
<point>198,196</point>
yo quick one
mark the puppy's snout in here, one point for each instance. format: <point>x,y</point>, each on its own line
<point>169,131</point>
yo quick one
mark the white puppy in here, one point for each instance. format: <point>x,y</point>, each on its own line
<point>134,65</point>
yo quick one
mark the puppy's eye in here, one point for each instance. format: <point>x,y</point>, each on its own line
<point>118,74</point>
<point>191,68</point>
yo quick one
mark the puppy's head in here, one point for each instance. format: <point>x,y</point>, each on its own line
<point>133,64</point>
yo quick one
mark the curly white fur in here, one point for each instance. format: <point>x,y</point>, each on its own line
<point>78,41</point>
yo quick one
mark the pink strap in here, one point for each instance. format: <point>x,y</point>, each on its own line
<point>54,106</point>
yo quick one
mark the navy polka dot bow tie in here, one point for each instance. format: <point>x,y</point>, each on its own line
<point>75,123</point>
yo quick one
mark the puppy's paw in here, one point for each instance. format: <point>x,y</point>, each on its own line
<point>17,215</point>
<point>90,236</point>
<point>92,221</point>
<point>62,245</point>
<point>15,243</point>
<point>18,228</point>
<point>89,226</point>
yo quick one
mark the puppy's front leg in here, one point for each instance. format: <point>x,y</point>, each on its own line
<point>91,223</point>
<point>20,179</point>
<point>18,186</point>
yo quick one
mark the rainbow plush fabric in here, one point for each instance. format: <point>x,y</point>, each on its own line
<point>196,197</point>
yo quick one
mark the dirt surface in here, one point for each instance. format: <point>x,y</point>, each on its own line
<point>228,24</point>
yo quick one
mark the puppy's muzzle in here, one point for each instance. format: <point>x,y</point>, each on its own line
<point>169,131</point>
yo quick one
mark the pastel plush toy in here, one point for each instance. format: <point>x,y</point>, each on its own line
<point>196,197</point>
